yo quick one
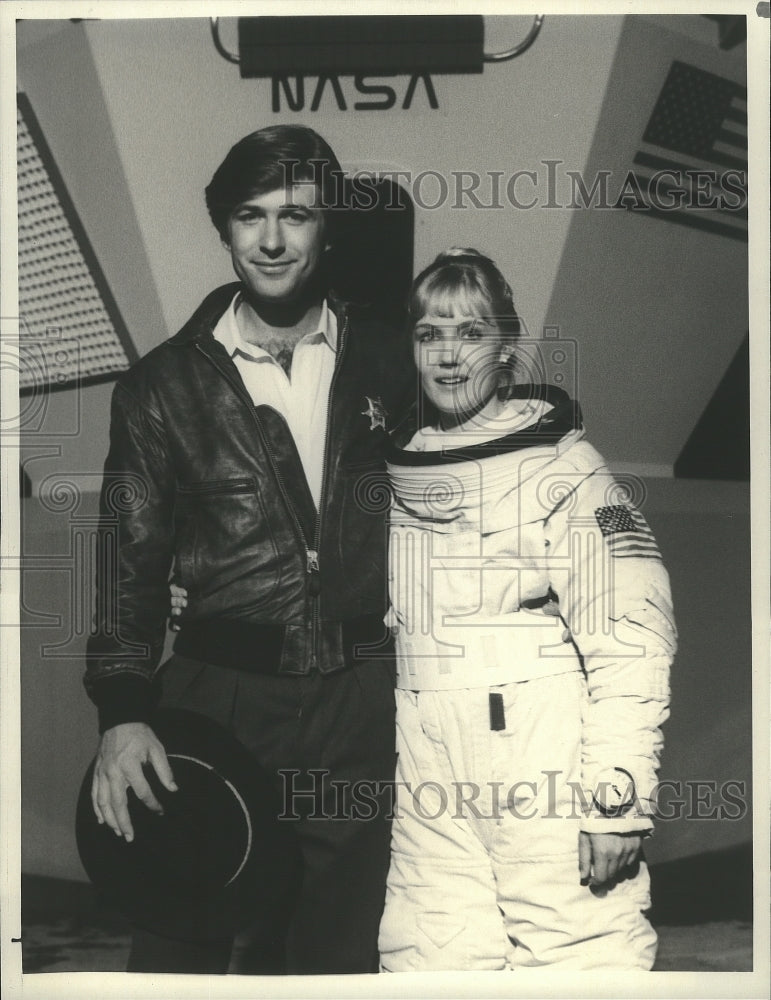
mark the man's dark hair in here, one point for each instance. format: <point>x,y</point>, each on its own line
<point>272,158</point>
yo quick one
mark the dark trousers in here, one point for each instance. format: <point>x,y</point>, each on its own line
<point>329,739</point>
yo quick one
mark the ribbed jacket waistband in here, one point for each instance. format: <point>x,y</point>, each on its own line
<point>284,649</point>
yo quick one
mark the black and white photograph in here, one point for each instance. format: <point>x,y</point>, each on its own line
<point>385,499</point>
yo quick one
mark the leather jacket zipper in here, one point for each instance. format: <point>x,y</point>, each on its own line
<point>313,563</point>
<point>312,569</point>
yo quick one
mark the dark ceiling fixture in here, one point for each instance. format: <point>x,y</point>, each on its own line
<point>374,45</point>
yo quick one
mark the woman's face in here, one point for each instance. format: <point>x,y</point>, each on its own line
<point>459,361</point>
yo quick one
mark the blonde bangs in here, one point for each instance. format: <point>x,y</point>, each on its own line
<point>446,291</point>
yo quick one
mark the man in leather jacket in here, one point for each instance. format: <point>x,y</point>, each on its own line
<point>246,457</point>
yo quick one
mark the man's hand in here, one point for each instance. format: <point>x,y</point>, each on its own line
<point>178,605</point>
<point>122,752</point>
<point>603,856</point>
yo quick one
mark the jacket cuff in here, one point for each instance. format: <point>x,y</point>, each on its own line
<point>124,697</point>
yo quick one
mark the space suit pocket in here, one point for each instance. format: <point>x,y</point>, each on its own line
<point>430,717</point>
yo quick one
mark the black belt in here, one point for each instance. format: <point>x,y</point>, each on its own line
<point>257,648</point>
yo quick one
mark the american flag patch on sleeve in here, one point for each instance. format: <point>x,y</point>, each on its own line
<point>626,532</point>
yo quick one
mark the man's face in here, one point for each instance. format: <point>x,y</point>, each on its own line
<point>276,241</point>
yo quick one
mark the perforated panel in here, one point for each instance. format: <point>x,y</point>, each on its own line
<point>70,327</point>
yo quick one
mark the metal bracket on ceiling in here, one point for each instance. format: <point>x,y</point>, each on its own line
<point>215,33</point>
<point>517,50</point>
<point>490,57</point>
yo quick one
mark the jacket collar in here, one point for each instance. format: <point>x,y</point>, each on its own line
<point>200,326</point>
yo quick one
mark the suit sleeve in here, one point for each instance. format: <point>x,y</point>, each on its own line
<point>135,551</point>
<point>614,596</point>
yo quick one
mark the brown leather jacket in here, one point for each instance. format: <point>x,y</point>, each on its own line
<point>199,480</point>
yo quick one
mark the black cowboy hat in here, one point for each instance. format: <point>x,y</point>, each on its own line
<point>218,858</point>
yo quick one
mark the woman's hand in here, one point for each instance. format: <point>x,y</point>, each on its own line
<point>604,856</point>
<point>178,605</point>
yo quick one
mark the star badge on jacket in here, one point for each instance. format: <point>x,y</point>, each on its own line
<point>376,412</point>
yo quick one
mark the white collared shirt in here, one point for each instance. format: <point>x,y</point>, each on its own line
<point>303,399</point>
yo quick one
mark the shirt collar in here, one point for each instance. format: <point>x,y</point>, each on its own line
<point>327,325</point>
<point>228,333</point>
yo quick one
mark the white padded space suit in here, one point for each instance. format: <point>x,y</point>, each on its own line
<point>534,636</point>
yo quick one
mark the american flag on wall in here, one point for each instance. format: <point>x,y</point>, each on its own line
<point>692,162</point>
<point>626,532</point>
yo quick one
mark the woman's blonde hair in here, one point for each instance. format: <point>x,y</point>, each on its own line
<point>465,274</point>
